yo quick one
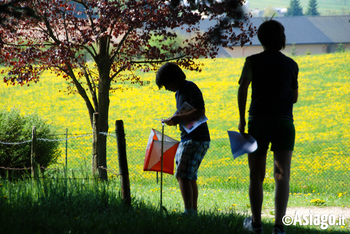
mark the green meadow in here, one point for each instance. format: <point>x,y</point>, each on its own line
<point>320,165</point>
<point>321,119</point>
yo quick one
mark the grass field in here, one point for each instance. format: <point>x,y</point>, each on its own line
<point>320,168</point>
<point>84,206</point>
<point>325,7</point>
<point>321,118</point>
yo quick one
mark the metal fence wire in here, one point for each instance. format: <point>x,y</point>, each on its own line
<point>315,164</point>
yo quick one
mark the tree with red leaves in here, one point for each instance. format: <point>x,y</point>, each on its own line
<point>12,9</point>
<point>116,35</point>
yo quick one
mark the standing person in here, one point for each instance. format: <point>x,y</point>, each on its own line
<point>274,79</point>
<point>193,145</point>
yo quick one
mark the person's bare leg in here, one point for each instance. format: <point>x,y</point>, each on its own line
<point>194,194</point>
<point>257,167</point>
<point>282,176</point>
<point>186,192</point>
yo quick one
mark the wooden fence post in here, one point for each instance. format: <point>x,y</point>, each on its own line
<point>94,161</point>
<point>32,155</point>
<point>123,163</point>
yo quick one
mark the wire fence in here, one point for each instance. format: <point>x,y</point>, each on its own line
<point>315,165</point>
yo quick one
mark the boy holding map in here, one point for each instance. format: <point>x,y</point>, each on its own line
<point>195,136</point>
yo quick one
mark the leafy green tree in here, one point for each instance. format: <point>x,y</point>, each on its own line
<point>340,48</point>
<point>312,8</point>
<point>294,8</point>
<point>16,128</point>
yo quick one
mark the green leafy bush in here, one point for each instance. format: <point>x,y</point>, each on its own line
<point>16,132</point>
<point>340,48</point>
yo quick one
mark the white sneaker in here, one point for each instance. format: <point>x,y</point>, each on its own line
<point>248,226</point>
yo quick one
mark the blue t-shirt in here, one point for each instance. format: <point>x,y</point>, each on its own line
<point>190,93</point>
<point>274,77</point>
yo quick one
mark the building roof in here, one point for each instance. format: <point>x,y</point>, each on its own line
<point>337,28</point>
<point>305,29</point>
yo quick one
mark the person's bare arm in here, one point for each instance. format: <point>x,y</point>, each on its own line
<point>242,102</point>
<point>188,116</point>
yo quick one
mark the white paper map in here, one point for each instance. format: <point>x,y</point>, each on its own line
<point>190,126</point>
<point>241,145</point>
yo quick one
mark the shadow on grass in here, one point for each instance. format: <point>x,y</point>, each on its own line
<point>71,206</point>
<point>82,215</point>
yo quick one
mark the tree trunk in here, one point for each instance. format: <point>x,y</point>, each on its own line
<point>104,66</point>
<point>94,160</point>
<point>102,124</point>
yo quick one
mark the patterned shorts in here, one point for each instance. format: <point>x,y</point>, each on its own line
<point>189,156</point>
